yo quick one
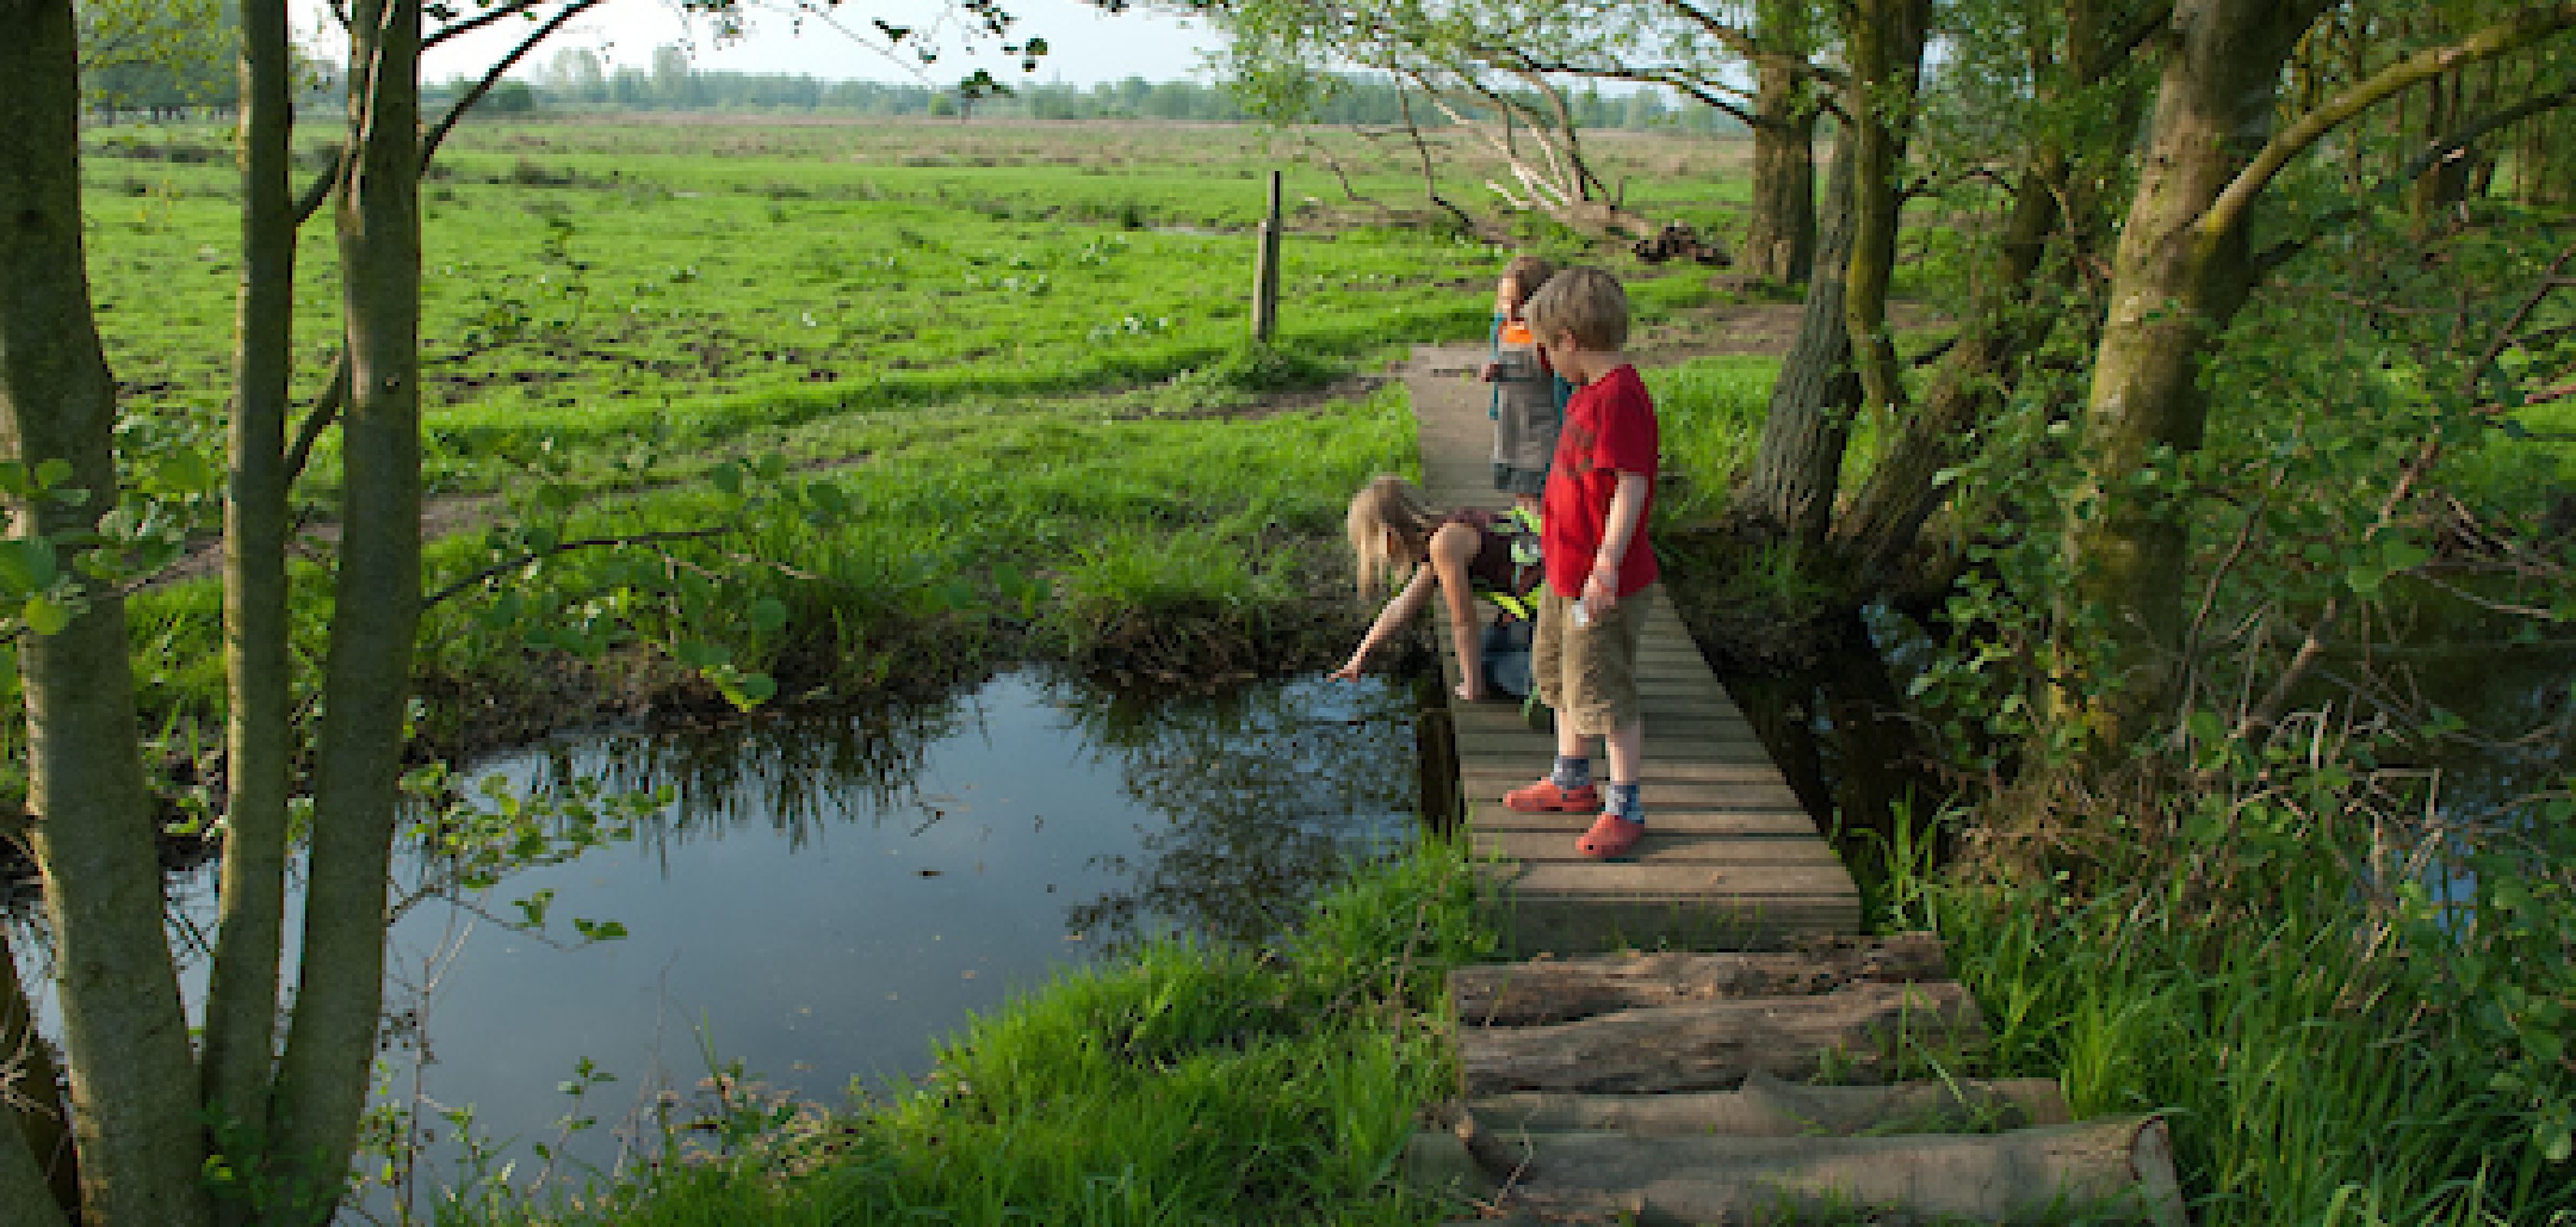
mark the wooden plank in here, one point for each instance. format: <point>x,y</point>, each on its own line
<point>1664,846</point>
<point>1530,927</point>
<point>1627,880</point>
<point>1478,761</point>
<point>1490,816</point>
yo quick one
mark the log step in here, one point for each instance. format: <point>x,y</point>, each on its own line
<point>1765,1106</point>
<point>2121,1165</point>
<point>1561,990</point>
<point>1855,1034</point>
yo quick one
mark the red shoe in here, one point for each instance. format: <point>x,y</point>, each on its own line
<point>1545,797</point>
<point>1611,836</point>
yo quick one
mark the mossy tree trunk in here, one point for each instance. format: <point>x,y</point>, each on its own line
<point>2183,269</point>
<point>133,1075</point>
<point>1883,39</point>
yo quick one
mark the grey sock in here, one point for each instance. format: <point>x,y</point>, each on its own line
<point>1621,799</point>
<point>1572,773</point>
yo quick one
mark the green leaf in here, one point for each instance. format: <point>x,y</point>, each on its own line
<point>754,689</point>
<point>53,472</point>
<point>26,565</point>
<point>188,472</point>
<point>727,477</point>
<point>770,467</point>
<point>45,615</point>
<point>768,614</point>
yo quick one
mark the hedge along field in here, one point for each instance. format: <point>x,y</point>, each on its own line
<point>949,424</point>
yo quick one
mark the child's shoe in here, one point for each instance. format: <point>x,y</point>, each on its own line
<point>1611,836</point>
<point>1545,797</point>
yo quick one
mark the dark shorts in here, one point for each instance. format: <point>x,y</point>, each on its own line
<point>1510,480</point>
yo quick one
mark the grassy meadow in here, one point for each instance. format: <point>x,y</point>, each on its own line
<point>1016,356</point>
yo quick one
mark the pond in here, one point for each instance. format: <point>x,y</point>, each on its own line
<point>829,894</point>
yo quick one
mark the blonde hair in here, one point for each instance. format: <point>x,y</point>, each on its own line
<point>1527,274</point>
<point>1390,529</point>
<point>1585,302</point>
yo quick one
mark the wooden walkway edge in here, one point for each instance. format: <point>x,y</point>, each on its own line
<point>1696,1033</point>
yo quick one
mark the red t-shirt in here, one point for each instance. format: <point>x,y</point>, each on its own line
<point>1609,429</point>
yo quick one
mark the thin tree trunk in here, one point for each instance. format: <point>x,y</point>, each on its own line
<point>133,1076</point>
<point>322,1080</point>
<point>2001,325</point>
<point>1798,462</point>
<point>241,993</point>
<point>1884,40</point>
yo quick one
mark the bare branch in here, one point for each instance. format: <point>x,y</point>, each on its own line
<point>325,412</point>
<point>429,141</point>
<point>487,17</point>
<point>498,569</point>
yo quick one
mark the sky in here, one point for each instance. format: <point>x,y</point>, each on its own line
<point>1085,45</point>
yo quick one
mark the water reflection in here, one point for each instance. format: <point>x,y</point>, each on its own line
<point>828,894</point>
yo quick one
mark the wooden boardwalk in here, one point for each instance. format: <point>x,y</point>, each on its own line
<point>1730,860</point>
<point>1618,1074</point>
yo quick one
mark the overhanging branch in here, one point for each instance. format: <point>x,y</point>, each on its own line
<point>2529,26</point>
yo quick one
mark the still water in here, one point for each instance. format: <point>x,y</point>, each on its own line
<point>828,895</point>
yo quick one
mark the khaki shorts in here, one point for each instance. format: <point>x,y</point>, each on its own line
<point>1588,674</point>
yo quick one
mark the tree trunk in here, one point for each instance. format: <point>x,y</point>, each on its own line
<point>1562,990</point>
<point>1884,41</point>
<point>241,992</point>
<point>2437,194</point>
<point>1780,245</point>
<point>1799,460</point>
<point>133,1075</point>
<point>322,1079</point>
<point>2175,285</point>
<point>1712,1045</point>
<point>1904,486</point>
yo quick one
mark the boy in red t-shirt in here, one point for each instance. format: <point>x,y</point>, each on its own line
<point>1591,615</point>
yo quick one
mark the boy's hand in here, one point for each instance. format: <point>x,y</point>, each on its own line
<point>1351,669</point>
<point>1601,590</point>
<point>1489,372</point>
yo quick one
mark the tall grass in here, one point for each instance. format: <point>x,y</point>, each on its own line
<point>1185,1084</point>
<point>2321,1064</point>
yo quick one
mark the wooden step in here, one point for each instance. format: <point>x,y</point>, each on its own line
<point>1855,1032</point>
<point>1768,1107</point>
<point>1662,845</point>
<point>2121,1165</point>
<point>1560,990</point>
<point>1528,925</point>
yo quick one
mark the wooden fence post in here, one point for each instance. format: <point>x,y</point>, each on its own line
<point>1265,272</point>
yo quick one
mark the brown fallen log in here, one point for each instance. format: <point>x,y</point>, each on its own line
<point>2122,1164</point>
<point>1854,1032</point>
<point>1765,1106</point>
<point>1559,990</point>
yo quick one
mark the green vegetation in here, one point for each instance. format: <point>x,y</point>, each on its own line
<point>1186,1085</point>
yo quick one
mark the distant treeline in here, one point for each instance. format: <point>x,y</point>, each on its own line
<point>577,79</point>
